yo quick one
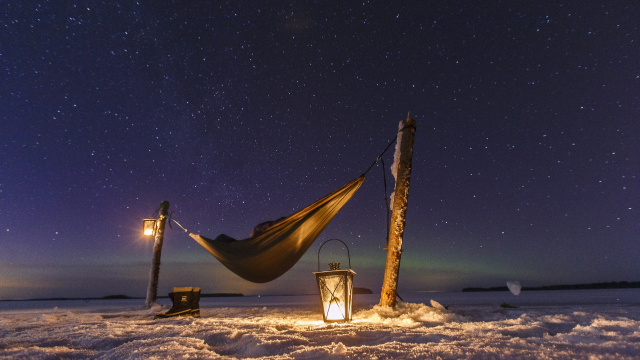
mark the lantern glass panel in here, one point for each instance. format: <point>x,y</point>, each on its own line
<point>336,293</point>
<point>149,227</point>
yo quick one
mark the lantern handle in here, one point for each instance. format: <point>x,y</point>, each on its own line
<point>345,245</point>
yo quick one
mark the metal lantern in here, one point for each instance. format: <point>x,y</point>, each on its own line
<point>336,289</point>
<point>149,226</point>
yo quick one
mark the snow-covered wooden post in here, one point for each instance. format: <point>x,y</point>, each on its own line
<point>152,290</point>
<point>401,169</point>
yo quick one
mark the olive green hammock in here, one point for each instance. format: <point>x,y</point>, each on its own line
<point>264,257</point>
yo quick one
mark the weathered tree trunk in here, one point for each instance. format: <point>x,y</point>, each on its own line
<point>152,290</point>
<point>402,163</point>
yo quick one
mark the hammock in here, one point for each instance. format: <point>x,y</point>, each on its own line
<point>265,257</point>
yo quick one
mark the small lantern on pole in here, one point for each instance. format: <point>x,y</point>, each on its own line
<point>336,289</point>
<point>149,226</point>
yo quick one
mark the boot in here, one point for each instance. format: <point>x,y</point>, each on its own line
<point>183,300</point>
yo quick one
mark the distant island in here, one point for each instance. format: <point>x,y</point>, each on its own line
<point>592,286</point>
<point>111,297</point>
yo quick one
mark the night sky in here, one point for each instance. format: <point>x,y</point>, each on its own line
<point>526,161</point>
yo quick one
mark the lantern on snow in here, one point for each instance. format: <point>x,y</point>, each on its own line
<point>336,289</point>
<point>149,226</point>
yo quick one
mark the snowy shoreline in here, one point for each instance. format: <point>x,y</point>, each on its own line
<point>600,324</point>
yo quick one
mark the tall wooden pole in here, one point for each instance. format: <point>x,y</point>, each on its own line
<point>402,165</point>
<point>152,290</point>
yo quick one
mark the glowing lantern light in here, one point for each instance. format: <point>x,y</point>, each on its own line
<point>336,289</point>
<point>149,226</point>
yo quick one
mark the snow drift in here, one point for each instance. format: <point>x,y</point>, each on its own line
<point>474,326</point>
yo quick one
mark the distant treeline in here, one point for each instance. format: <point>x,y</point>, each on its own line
<point>602,285</point>
<point>222,295</point>
<point>122,297</point>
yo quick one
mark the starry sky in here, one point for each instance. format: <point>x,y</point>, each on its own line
<point>525,162</point>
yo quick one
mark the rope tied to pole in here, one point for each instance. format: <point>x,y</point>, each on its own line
<point>388,146</point>
<point>378,158</point>
<point>384,174</point>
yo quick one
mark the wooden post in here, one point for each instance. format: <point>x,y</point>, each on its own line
<point>152,290</point>
<point>402,165</point>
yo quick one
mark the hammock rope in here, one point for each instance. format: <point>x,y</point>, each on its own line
<point>177,223</point>
<point>380,156</point>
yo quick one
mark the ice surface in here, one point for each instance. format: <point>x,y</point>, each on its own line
<point>587,324</point>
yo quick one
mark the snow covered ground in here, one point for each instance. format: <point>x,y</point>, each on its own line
<point>577,324</point>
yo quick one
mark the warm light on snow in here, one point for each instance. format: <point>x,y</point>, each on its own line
<point>589,324</point>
